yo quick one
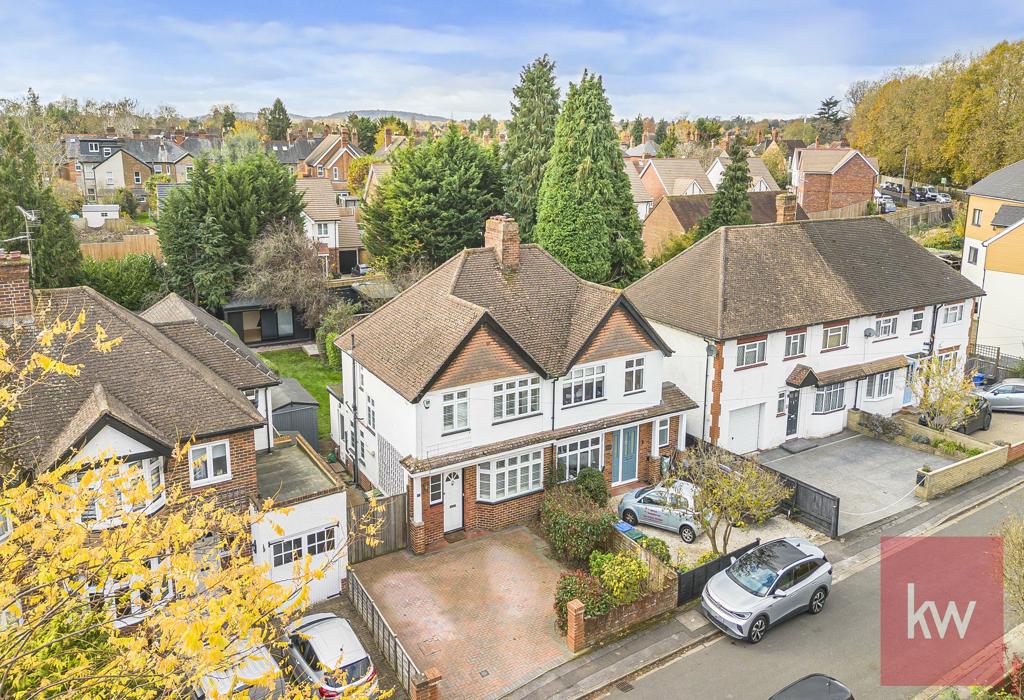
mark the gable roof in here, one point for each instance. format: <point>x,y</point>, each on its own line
<point>543,311</point>
<point>636,185</point>
<point>326,145</point>
<point>1005,183</point>
<point>829,160</point>
<point>677,173</point>
<point>745,280</point>
<point>757,169</point>
<point>646,148</point>
<point>319,197</point>
<point>373,177</point>
<point>292,152</point>
<point>291,392</point>
<point>690,209</point>
<point>397,141</point>
<point>349,235</point>
<point>154,150</point>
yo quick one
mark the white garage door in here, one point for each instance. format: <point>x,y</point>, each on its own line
<point>743,429</point>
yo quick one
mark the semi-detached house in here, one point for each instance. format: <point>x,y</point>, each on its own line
<point>778,330</point>
<point>496,374</point>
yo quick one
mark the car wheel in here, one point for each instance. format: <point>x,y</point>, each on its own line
<point>630,517</point>
<point>817,603</point>
<point>988,422</point>
<point>688,534</point>
<point>757,629</point>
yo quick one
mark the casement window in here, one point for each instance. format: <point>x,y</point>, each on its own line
<point>780,404</point>
<point>78,167</point>
<point>106,150</point>
<point>947,356</point>
<point>138,177</point>
<point>319,171</point>
<point>879,386</point>
<point>322,231</point>
<point>751,353</point>
<point>583,385</point>
<point>917,322</point>
<point>286,551</point>
<point>510,477</point>
<point>663,432</point>
<point>131,603</point>
<point>634,375</point>
<point>211,463</point>
<point>188,172</point>
<point>110,178</point>
<point>834,337</point>
<point>952,314</point>
<point>830,398</point>
<point>455,411</point>
<point>575,455</point>
<point>94,148</point>
<point>795,344</point>
<point>159,168</point>
<point>518,397</point>
<point>972,255</point>
<point>5,526</point>
<point>105,507</point>
<point>371,413</point>
<point>335,174</point>
<point>362,451</point>
<point>320,542</point>
<point>976,217</point>
<point>436,493</point>
<point>885,327</point>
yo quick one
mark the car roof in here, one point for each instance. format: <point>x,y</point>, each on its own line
<point>256,665</point>
<point>816,686</point>
<point>784,552</point>
<point>332,638</point>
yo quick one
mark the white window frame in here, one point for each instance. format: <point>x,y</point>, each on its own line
<point>78,167</point>
<point>515,398</point>
<point>517,475</point>
<point>106,150</point>
<point>796,345</point>
<point>663,430</point>
<point>322,230</point>
<point>207,447</point>
<point>371,413</point>
<point>752,353</point>
<point>110,177</point>
<point>321,541</point>
<point>102,515</point>
<point>94,147</point>
<point>454,411</point>
<point>957,311</point>
<point>587,451</point>
<point>286,550</point>
<point>319,171</point>
<point>880,386</point>
<point>188,171</point>
<point>634,379</point>
<point>581,378</point>
<point>435,489</point>
<point>829,398</point>
<point>828,334</point>
<point>885,327</point>
<point>780,404</point>
<point>917,322</point>
<point>976,217</point>
<point>137,177</point>
<point>159,168</point>
<point>334,174</point>
<point>972,255</point>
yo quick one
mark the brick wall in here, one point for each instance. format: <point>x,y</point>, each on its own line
<point>852,183</point>
<point>949,477</point>
<point>237,491</point>
<point>1015,452</point>
<point>15,293</point>
<point>660,225</point>
<point>814,192</point>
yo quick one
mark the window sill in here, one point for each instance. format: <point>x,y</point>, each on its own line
<point>794,357</point>
<point>916,332</point>
<point>515,418</point>
<point>455,432</point>
<point>825,413</point>
<point>841,347</point>
<point>210,482</point>
<point>539,489</point>
<point>753,366</point>
<point>634,392</point>
<point>583,403</point>
<point>882,340</point>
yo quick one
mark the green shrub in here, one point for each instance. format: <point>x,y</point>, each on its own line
<point>338,317</point>
<point>130,281</point>
<point>581,585</point>
<point>592,484</point>
<point>622,575</point>
<point>882,427</point>
<point>331,351</point>
<point>573,524</point>
<point>706,558</point>
<point>656,546</point>
<point>973,451</point>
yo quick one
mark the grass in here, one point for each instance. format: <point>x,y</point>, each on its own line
<point>144,219</point>
<point>313,374</point>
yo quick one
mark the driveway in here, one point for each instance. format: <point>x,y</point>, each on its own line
<point>873,478</point>
<point>1006,427</point>
<point>480,611</point>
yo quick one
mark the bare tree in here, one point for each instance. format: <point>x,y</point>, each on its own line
<point>286,271</point>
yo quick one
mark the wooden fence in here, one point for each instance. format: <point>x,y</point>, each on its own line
<point>850,211</point>
<point>931,214</point>
<point>141,243</point>
<point>994,363</point>
<point>391,522</point>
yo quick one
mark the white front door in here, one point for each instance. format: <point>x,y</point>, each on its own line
<point>744,424</point>
<point>452,488</point>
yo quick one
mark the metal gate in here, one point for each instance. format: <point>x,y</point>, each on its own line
<point>390,521</point>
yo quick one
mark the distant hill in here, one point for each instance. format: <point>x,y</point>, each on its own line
<point>343,114</point>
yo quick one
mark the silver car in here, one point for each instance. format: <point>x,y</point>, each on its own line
<point>325,653</point>
<point>666,506</point>
<point>246,678</point>
<point>767,585</point>
<point>1007,395</point>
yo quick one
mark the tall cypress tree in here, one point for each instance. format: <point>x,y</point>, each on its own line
<point>636,131</point>
<point>531,131</point>
<point>277,121</point>
<point>730,204</point>
<point>585,212</point>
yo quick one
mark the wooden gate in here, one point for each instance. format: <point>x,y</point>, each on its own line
<point>389,518</point>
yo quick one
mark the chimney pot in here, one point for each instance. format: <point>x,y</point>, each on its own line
<point>502,234</point>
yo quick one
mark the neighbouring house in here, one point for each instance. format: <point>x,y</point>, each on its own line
<point>259,323</point>
<point>831,178</point>
<point>674,216</point>
<point>332,226</point>
<point>330,160</point>
<point>392,142</point>
<point>644,150</point>
<point>496,374</point>
<point>642,199</point>
<point>374,175</point>
<point>96,215</point>
<point>176,375</point>
<point>787,147</point>
<point>292,153</point>
<point>779,329</point>
<point>760,179</point>
<point>674,176</point>
<point>993,256</point>
<point>83,153</point>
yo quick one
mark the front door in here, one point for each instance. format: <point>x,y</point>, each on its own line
<point>624,455</point>
<point>347,261</point>
<point>793,412</point>
<point>452,487</point>
<point>908,393</point>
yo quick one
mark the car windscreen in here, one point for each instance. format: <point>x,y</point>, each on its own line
<point>643,492</point>
<point>351,673</point>
<point>757,570</point>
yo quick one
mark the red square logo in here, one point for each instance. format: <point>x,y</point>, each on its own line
<point>942,611</point>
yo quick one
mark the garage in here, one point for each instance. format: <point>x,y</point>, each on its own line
<point>744,427</point>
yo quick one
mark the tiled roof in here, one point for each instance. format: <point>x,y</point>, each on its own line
<point>648,148</point>
<point>320,200</point>
<point>349,235</point>
<point>757,169</point>
<point>397,141</point>
<point>1008,215</point>
<point>802,375</point>
<point>672,401</point>
<point>690,209</point>
<point>636,185</point>
<point>151,151</point>
<point>294,152</point>
<point>1005,183</point>
<point>827,160</point>
<point>677,173</point>
<point>743,280</point>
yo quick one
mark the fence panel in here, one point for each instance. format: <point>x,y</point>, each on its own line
<point>392,535</point>
<point>810,505</point>
<point>692,582</point>
<point>991,361</point>
<point>144,244</point>
<point>383,636</point>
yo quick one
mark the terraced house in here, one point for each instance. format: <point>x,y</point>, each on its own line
<point>497,374</point>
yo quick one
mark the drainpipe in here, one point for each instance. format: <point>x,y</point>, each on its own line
<point>935,324</point>
<point>355,413</point>
<point>856,393</point>
<point>554,393</point>
<point>704,416</point>
<point>270,418</point>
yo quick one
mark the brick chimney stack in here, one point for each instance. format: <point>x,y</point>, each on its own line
<point>15,288</point>
<point>387,136</point>
<point>502,233</point>
<point>179,136</point>
<point>775,134</point>
<point>344,137</point>
<point>785,207</point>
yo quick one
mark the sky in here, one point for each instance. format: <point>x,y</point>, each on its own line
<point>461,59</point>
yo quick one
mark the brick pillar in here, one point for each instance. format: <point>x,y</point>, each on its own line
<point>716,394</point>
<point>425,686</point>
<point>575,634</point>
<point>417,538</point>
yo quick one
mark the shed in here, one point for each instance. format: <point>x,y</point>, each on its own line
<point>96,214</point>
<point>294,409</point>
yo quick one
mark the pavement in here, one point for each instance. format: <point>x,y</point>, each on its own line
<point>874,479</point>
<point>1006,427</point>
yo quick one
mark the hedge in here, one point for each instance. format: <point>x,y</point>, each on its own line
<point>574,525</point>
<point>131,281</point>
<point>581,585</point>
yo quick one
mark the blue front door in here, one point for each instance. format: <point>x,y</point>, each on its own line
<point>624,454</point>
<point>908,394</point>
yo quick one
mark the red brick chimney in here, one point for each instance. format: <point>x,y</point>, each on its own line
<point>15,289</point>
<point>785,207</point>
<point>502,233</point>
<point>387,136</point>
<point>344,137</point>
<point>775,134</point>
<point>179,136</point>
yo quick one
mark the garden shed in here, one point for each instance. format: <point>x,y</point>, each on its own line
<point>294,410</point>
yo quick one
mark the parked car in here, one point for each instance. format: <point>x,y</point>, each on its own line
<point>816,686</point>
<point>244,677</point>
<point>892,187</point>
<point>885,204</point>
<point>1007,395</point>
<point>666,507</point>
<point>931,192</point>
<point>943,198</point>
<point>979,417</point>
<point>362,269</point>
<point>767,585</point>
<point>918,194</point>
<point>325,653</point>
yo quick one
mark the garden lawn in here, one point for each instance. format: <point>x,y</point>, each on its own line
<point>312,374</point>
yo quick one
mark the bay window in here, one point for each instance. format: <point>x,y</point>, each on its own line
<point>750,353</point>
<point>578,454</point>
<point>583,385</point>
<point>509,477</point>
<point>515,398</point>
<point>634,375</point>
<point>108,503</point>
<point>455,411</point>
<point>879,386</point>
<point>834,337</point>
<point>829,398</point>
<point>211,463</point>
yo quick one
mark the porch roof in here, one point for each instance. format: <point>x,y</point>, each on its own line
<point>672,401</point>
<point>802,375</point>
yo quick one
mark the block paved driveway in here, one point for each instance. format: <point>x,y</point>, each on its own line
<point>873,478</point>
<point>480,610</point>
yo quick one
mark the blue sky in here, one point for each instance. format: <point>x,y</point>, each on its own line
<point>461,59</point>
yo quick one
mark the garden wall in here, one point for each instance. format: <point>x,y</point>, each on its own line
<point>939,481</point>
<point>911,428</point>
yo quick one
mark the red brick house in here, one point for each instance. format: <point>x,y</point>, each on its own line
<point>830,178</point>
<point>674,176</point>
<point>330,160</point>
<point>498,374</point>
